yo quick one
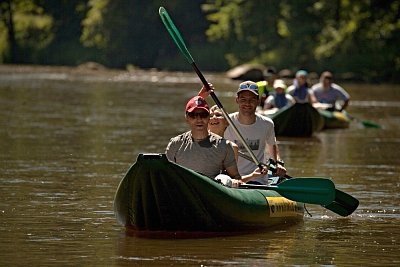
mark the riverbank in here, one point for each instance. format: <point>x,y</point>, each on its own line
<point>94,71</point>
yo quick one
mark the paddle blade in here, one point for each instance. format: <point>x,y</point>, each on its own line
<point>173,31</point>
<point>308,190</point>
<point>320,191</point>
<point>370,124</point>
<point>343,204</point>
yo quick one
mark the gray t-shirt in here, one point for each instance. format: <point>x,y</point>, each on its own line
<point>209,157</point>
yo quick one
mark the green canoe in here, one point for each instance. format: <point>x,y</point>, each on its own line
<point>158,195</point>
<point>335,119</point>
<point>298,120</point>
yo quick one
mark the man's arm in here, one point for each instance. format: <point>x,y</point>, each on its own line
<point>170,151</point>
<point>204,92</point>
<point>274,152</point>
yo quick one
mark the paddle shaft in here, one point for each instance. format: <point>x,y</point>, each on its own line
<point>219,104</point>
<point>173,31</point>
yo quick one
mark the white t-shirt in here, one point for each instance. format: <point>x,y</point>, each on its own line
<point>331,94</point>
<point>257,136</point>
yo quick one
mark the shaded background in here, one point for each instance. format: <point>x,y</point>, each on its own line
<point>357,40</point>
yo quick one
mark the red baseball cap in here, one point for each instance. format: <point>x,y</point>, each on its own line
<point>197,102</point>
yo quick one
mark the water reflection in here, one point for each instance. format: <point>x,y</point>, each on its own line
<point>66,141</point>
<point>243,250</point>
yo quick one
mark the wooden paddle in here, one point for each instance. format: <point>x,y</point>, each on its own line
<point>173,31</point>
<point>343,204</point>
<point>319,191</point>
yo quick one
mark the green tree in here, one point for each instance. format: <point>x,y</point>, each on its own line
<point>270,32</point>
<point>24,30</point>
<point>360,36</point>
<point>65,47</point>
<point>131,32</point>
<point>342,35</point>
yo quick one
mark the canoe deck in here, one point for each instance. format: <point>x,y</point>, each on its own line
<point>335,119</point>
<point>300,120</point>
<point>158,195</point>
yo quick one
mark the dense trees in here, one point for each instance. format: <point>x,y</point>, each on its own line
<point>359,37</point>
<point>349,36</point>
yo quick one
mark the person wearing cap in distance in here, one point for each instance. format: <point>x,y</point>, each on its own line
<point>257,130</point>
<point>330,93</point>
<point>204,151</point>
<point>279,99</point>
<point>300,89</point>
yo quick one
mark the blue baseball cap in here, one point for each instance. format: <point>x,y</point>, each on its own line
<point>301,73</point>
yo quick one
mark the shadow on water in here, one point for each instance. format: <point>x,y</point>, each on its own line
<point>67,140</point>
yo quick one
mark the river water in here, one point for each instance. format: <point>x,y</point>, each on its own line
<point>68,139</point>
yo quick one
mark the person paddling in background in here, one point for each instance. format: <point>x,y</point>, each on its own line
<point>300,89</point>
<point>256,129</point>
<point>279,99</point>
<point>330,93</point>
<point>265,87</point>
<point>204,151</point>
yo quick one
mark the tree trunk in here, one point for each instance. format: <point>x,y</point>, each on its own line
<point>8,19</point>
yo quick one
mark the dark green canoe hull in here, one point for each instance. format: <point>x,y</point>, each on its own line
<point>335,119</point>
<point>158,195</point>
<point>298,120</point>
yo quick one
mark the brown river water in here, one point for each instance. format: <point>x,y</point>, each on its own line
<point>67,139</point>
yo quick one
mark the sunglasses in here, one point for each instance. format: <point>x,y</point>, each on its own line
<point>251,86</point>
<point>201,115</point>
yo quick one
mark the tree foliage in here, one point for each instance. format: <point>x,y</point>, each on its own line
<point>341,35</point>
<point>25,28</point>
<point>345,35</point>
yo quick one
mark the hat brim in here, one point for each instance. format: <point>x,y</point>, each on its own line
<point>194,108</point>
<point>250,90</point>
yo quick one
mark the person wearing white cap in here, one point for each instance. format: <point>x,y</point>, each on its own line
<point>279,99</point>
<point>257,130</point>
<point>203,151</point>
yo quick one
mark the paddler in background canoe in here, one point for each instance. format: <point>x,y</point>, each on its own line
<point>300,89</point>
<point>265,87</point>
<point>278,99</point>
<point>256,129</point>
<point>206,152</point>
<point>329,93</point>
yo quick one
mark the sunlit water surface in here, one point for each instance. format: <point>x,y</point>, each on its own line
<point>66,142</point>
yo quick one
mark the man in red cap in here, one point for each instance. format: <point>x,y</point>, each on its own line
<point>204,151</point>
